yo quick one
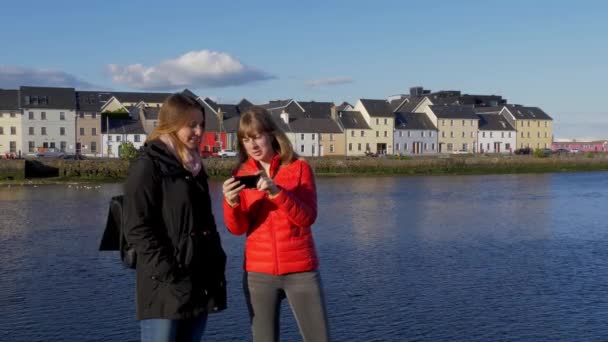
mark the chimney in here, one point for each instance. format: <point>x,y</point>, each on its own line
<point>334,113</point>
<point>285,116</point>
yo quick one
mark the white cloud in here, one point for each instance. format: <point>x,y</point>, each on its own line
<point>329,81</point>
<point>195,69</point>
<point>14,77</point>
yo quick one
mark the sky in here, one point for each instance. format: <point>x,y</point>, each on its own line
<point>551,54</point>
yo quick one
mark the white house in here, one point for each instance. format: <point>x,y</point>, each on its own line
<point>495,135</point>
<point>11,135</point>
<point>119,132</point>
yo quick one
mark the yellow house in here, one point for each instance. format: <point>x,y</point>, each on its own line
<point>457,127</point>
<point>534,127</point>
<point>381,120</point>
<point>356,132</point>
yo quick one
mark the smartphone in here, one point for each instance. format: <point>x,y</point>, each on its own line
<point>250,182</point>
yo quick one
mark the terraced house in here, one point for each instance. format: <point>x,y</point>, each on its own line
<point>496,135</point>
<point>457,127</point>
<point>11,126</point>
<point>534,127</point>
<point>88,123</point>
<point>414,133</point>
<point>356,132</point>
<point>380,118</point>
<point>49,118</point>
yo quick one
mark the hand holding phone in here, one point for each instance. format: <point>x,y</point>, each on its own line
<point>250,182</point>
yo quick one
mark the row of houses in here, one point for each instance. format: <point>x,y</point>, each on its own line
<point>95,123</point>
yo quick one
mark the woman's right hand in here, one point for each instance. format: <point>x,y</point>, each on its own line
<point>231,189</point>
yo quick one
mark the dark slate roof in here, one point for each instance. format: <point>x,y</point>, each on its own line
<point>352,120</point>
<point>151,113</point>
<point>133,112</point>
<point>276,104</point>
<point>89,101</point>
<point>9,99</point>
<point>342,106</point>
<point>482,100</point>
<point>212,123</point>
<point>394,104</point>
<point>488,110</point>
<point>494,122</point>
<point>410,121</point>
<point>408,105</point>
<point>454,112</point>
<point>244,104</point>
<point>122,126</point>
<point>528,113</point>
<point>232,125</point>
<point>56,98</point>
<point>377,108</point>
<point>211,103</point>
<point>318,110</point>
<point>229,110</point>
<point>315,125</point>
<point>137,97</point>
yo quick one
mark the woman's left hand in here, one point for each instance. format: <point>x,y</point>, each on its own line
<point>267,184</point>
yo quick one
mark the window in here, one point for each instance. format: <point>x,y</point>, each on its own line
<point>472,134</point>
<point>13,130</point>
<point>491,134</point>
<point>93,131</point>
<point>397,147</point>
<point>301,148</point>
<point>31,147</point>
<point>1,130</point>
<point>472,122</point>
<point>465,147</point>
<point>545,123</point>
<point>93,146</point>
<point>538,122</point>
<point>426,146</point>
<point>362,133</point>
<point>302,136</point>
<point>385,133</point>
<point>30,115</point>
<point>386,121</point>
<point>109,138</point>
<point>81,130</point>
<point>442,122</point>
<point>508,146</point>
<point>528,134</point>
<point>463,123</point>
<point>331,137</point>
<point>93,115</point>
<point>433,146</point>
<point>488,144</point>
<point>546,135</point>
<point>61,131</point>
<point>404,147</point>
<point>313,150</point>
<point>352,133</point>
<point>42,130</point>
<point>509,134</point>
<point>81,115</point>
<point>136,138</point>
<point>538,134</point>
<point>481,147</point>
<point>502,134</point>
<point>377,121</point>
<point>13,115</point>
<point>450,147</point>
<point>27,100</point>
<point>451,134</point>
<point>522,134</point>
<point>463,134</point>
<point>62,145</point>
<point>313,138</point>
<point>52,145</point>
<point>451,122</point>
<point>431,134</point>
<point>331,148</point>
<point>528,123</point>
<point>118,138</point>
<point>443,134</point>
<point>359,146</point>
<point>31,131</point>
<point>61,116</point>
<point>400,133</point>
<point>42,115</point>
<point>377,134</point>
<point>422,134</point>
<point>367,147</point>
<point>13,147</point>
<point>409,134</point>
<point>350,146</point>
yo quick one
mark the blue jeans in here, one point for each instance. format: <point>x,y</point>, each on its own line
<point>167,330</point>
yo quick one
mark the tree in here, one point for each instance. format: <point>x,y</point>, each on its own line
<point>127,151</point>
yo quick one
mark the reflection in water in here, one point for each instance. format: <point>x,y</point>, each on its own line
<point>473,258</point>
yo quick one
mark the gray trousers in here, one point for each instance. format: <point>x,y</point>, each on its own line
<point>264,294</point>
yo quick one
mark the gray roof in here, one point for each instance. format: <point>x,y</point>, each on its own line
<point>409,121</point>
<point>454,112</point>
<point>122,126</point>
<point>494,122</point>
<point>232,125</point>
<point>89,101</point>
<point>528,113</point>
<point>280,123</point>
<point>342,106</point>
<point>151,113</point>
<point>488,110</point>
<point>9,99</point>
<point>243,105</point>
<point>409,104</point>
<point>315,125</point>
<point>229,110</point>
<point>377,108</point>
<point>314,109</point>
<point>352,120</point>
<point>47,97</point>
<point>275,104</point>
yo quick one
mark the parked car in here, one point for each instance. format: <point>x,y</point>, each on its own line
<point>226,153</point>
<point>50,153</point>
<point>547,151</point>
<point>561,151</point>
<point>525,150</point>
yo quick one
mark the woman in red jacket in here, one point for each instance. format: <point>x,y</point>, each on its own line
<point>276,214</point>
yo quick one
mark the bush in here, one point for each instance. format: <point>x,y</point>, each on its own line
<point>126,151</point>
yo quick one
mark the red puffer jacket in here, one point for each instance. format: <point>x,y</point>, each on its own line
<point>279,237</point>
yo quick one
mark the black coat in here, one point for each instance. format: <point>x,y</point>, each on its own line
<point>168,220</point>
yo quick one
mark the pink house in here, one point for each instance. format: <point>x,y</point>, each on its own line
<point>581,145</point>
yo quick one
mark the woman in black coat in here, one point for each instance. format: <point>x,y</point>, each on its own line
<point>169,223</point>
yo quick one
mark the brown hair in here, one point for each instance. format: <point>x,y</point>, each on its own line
<point>257,120</point>
<point>173,115</point>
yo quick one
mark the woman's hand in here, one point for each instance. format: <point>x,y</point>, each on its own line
<point>231,189</point>
<point>267,184</point>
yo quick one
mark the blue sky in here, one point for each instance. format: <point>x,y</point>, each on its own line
<point>550,54</point>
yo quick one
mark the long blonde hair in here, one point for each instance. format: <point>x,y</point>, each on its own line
<point>173,115</point>
<point>257,120</point>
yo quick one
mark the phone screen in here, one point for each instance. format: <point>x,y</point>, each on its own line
<point>250,182</point>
